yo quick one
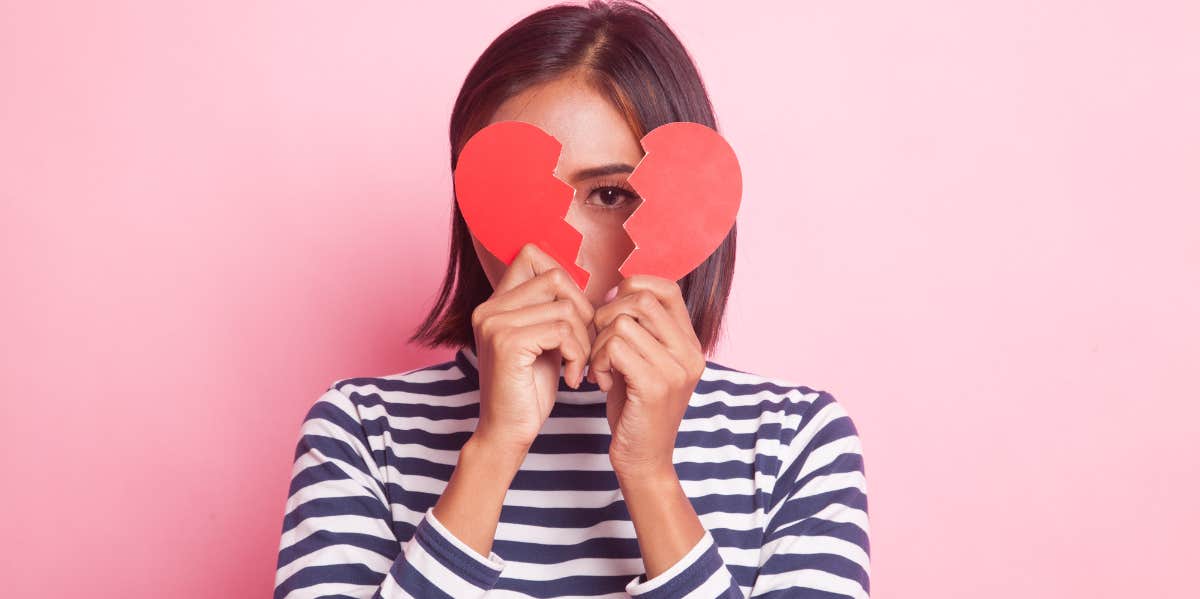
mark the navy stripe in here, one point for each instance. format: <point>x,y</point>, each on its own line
<point>324,538</point>
<point>583,480</point>
<point>336,506</point>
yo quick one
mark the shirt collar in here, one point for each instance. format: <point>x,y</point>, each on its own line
<point>588,392</point>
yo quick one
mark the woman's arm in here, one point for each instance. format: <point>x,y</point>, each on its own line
<point>816,541</point>
<point>648,360</point>
<point>678,552</point>
<point>338,536</point>
<point>470,506</point>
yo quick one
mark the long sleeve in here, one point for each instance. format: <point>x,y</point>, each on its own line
<point>337,536</point>
<point>701,573</point>
<point>815,543</point>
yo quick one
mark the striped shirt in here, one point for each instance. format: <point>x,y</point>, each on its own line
<point>774,470</point>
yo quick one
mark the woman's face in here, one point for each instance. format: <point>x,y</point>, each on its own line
<point>599,151</point>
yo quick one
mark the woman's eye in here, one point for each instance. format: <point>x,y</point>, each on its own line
<point>611,197</point>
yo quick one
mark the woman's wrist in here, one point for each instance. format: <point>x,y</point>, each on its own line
<point>470,505</point>
<point>500,452</point>
<point>494,457</point>
<point>644,471</point>
<point>663,517</point>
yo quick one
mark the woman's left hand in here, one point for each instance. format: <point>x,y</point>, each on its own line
<point>647,357</point>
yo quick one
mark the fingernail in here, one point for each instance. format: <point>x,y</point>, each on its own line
<point>611,294</point>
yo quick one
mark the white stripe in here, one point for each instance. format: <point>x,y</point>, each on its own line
<point>336,554</point>
<point>598,462</point>
<point>465,398</point>
<point>808,579</point>
<point>342,524</point>
<point>583,425</point>
<point>589,566</point>
<point>325,589</point>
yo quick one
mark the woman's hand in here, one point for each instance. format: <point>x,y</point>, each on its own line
<point>647,357</point>
<point>535,319</point>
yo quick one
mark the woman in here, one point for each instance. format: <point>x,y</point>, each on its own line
<point>508,471</point>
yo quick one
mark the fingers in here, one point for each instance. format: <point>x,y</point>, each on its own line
<point>627,348</point>
<point>601,369</point>
<point>648,314</point>
<point>549,286</point>
<point>558,335</point>
<point>560,310</point>
<point>657,305</point>
<point>534,277</point>
<point>533,340</point>
<point>530,262</point>
<point>648,311</point>
<point>668,293</point>
<point>534,289</point>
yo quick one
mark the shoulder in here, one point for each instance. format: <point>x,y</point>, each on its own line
<point>369,398</point>
<point>439,383</point>
<point>793,418</point>
<point>770,395</point>
<point>803,435</point>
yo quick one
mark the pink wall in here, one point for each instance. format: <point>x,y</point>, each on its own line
<point>977,226</point>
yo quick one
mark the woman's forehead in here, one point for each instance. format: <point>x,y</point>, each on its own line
<point>592,131</point>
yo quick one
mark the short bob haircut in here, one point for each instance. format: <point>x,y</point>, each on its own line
<point>630,55</point>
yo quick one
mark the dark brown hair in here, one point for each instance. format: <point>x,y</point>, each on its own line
<point>631,56</point>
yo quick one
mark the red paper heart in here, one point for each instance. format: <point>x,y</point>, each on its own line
<point>509,196</point>
<point>689,180</point>
<point>692,187</point>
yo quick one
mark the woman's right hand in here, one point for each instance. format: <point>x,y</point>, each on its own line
<point>535,318</point>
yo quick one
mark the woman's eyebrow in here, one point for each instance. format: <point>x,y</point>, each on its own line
<point>600,171</point>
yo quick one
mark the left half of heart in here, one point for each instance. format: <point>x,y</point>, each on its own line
<point>507,191</point>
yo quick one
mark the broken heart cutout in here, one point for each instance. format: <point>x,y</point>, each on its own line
<point>689,180</point>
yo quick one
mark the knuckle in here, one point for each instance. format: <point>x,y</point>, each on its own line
<point>563,308</point>
<point>623,323</point>
<point>644,300</point>
<point>501,340</point>
<point>562,328</point>
<point>679,376</point>
<point>558,276</point>
<point>486,328</point>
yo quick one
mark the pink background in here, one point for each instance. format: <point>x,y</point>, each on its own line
<point>977,226</point>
